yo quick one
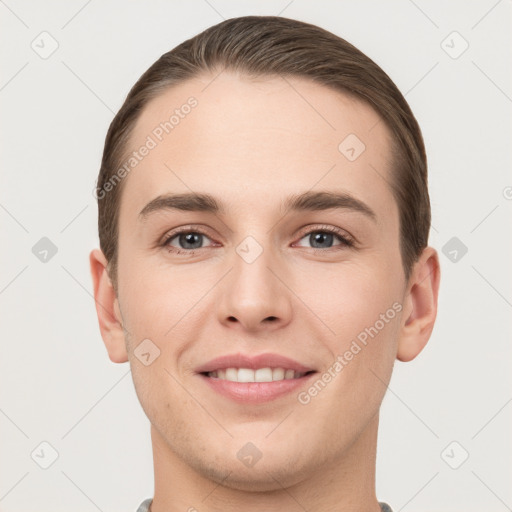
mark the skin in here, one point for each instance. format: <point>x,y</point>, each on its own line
<point>251,143</point>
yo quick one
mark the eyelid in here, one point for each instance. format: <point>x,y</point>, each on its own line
<point>178,250</point>
<point>346,238</point>
<point>189,228</point>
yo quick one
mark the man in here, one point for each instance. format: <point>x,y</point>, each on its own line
<point>263,220</point>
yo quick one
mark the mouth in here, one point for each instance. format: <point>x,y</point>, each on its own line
<point>254,378</point>
<point>266,374</point>
<point>254,387</point>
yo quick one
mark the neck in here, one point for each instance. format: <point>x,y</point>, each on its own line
<point>342,484</point>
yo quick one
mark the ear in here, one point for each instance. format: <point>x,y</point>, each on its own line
<point>107,309</point>
<point>420,305</point>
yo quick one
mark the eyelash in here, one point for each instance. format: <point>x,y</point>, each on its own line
<point>346,242</point>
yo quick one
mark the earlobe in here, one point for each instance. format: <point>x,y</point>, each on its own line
<point>107,308</point>
<point>420,309</point>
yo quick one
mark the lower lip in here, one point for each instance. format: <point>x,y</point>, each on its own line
<point>255,392</point>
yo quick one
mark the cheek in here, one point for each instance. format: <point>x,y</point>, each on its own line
<point>163,308</point>
<point>155,297</point>
<point>159,395</point>
<point>363,308</point>
<point>351,297</point>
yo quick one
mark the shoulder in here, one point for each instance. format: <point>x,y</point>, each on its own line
<point>144,506</point>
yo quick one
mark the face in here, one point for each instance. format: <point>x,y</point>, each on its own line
<point>295,254</point>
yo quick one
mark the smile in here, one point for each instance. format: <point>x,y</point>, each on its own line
<point>266,374</point>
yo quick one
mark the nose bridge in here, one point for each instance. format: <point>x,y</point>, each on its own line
<point>253,294</point>
<point>252,261</point>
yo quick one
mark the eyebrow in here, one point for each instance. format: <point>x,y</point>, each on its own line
<point>307,201</point>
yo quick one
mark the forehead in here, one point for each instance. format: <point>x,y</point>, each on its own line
<point>253,139</point>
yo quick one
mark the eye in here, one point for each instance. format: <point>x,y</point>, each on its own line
<point>185,241</point>
<point>323,238</point>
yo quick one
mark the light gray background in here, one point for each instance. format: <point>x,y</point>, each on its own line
<point>57,383</point>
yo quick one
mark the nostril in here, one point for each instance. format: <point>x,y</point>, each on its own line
<point>269,318</point>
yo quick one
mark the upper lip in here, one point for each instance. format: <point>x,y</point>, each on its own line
<point>252,361</point>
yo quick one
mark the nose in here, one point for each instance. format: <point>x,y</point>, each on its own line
<point>255,296</point>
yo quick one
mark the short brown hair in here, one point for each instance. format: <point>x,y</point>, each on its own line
<point>270,46</point>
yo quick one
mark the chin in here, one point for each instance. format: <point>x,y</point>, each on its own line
<point>265,472</point>
<point>259,478</point>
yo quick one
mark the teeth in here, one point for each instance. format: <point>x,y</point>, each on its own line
<point>245,375</point>
<point>278,374</point>
<point>229,374</point>
<point>260,375</point>
<point>289,374</point>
